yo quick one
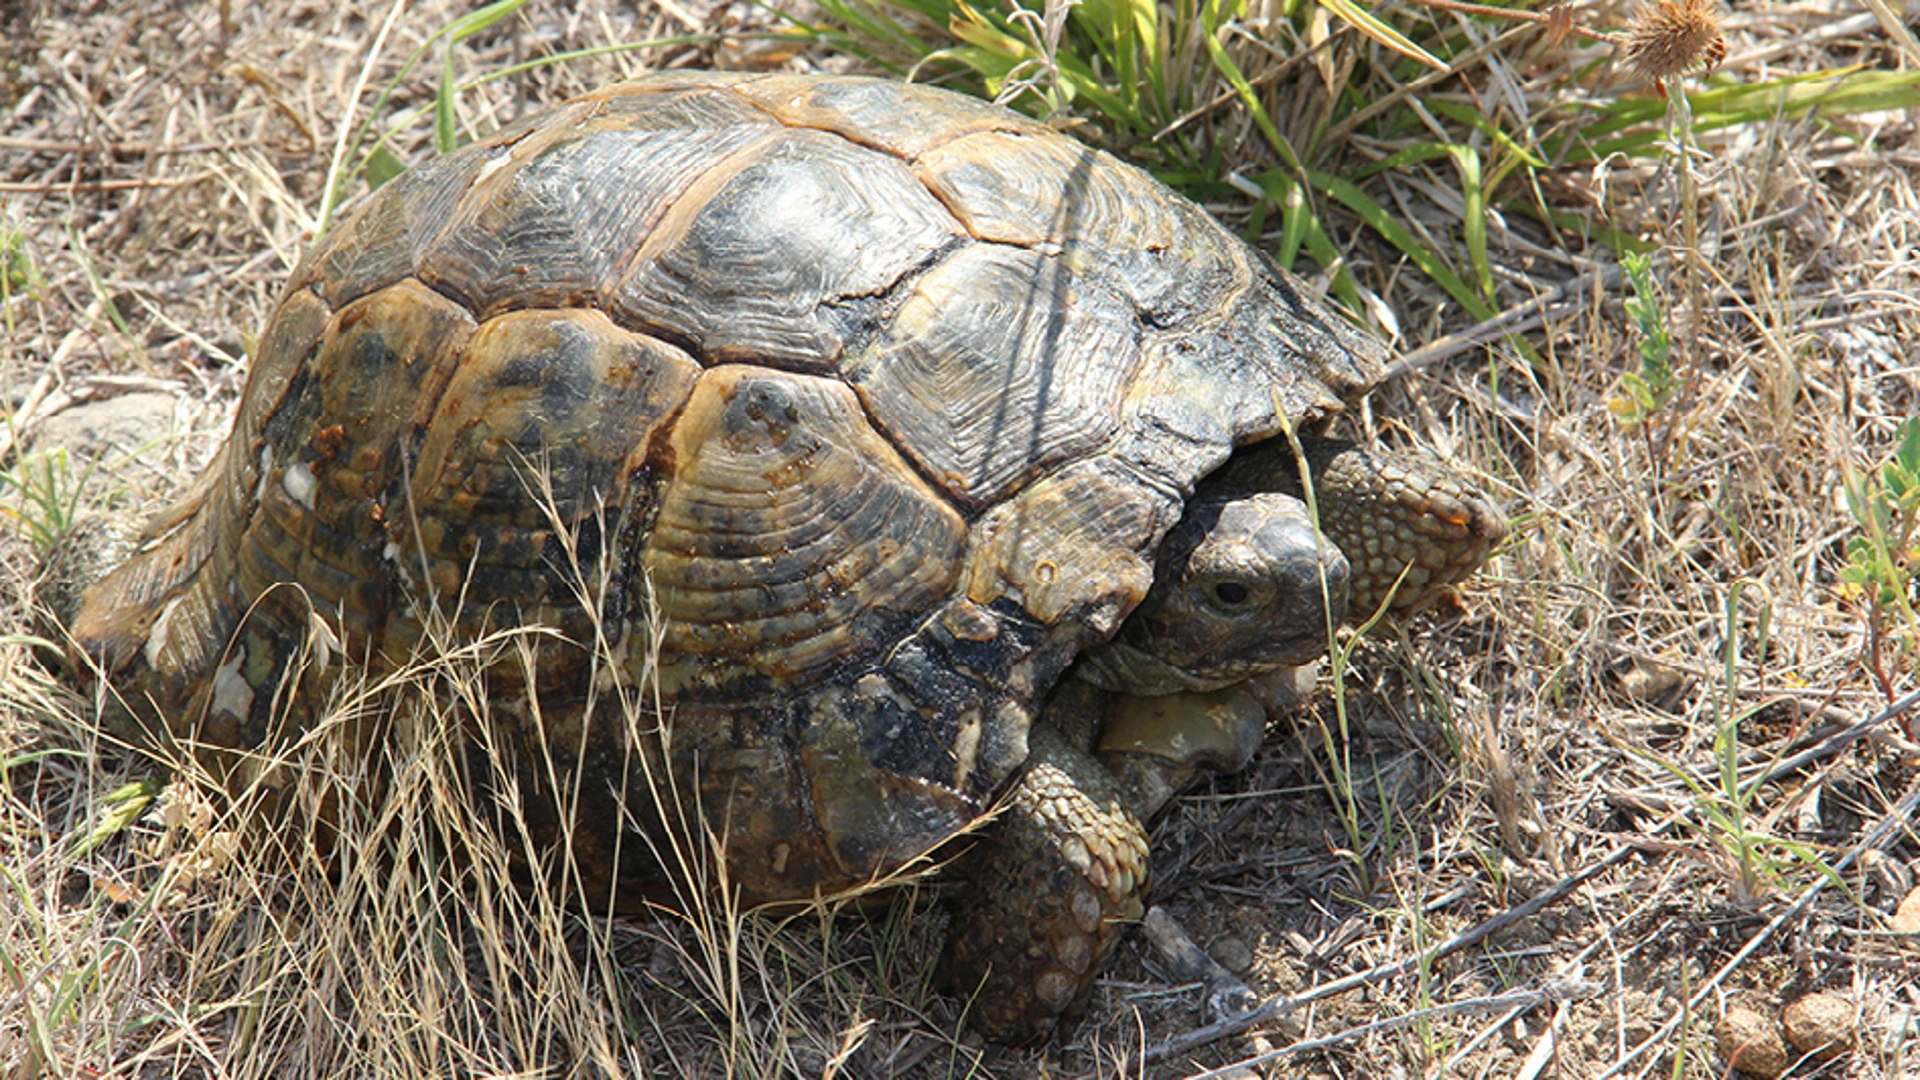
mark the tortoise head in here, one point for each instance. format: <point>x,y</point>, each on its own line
<point>1242,588</point>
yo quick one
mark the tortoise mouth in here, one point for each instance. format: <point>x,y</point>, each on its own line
<point>1125,668</point>
<point>1273,654</point>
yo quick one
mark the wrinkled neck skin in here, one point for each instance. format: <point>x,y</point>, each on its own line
<point>1243,587</point>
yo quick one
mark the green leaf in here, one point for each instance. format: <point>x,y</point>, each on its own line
<point>123,807</point>
<point>383,165</point>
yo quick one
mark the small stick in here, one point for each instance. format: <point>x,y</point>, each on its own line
<point>1280,1007</point>
<point>1516,1001</point>
<point>1227,996</point>
<point>1516,15</point>
<point>72,146</point>
<point>1841,739</point>
<point>89,186</point>
<point>1511,321</point>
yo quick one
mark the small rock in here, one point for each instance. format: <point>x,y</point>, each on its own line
<point>1906,919</point>
<point>1648,680</point>
<point>1819,1024</point>
<point>1233,954</point>
<point>117,425</point>
<point>1750,1041</point>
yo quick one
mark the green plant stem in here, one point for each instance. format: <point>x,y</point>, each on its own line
<point>1680,116</point>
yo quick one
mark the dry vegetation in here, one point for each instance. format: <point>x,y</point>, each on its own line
<point>1660,694</point>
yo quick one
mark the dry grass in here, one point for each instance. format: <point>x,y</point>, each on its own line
<point>1667,614</point>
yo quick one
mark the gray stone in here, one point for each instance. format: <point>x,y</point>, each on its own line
<point>111,427</point>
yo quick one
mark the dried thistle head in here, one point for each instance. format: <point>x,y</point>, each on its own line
<point>1666,38</point>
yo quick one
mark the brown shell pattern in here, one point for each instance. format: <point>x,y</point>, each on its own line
<point>877,398</point>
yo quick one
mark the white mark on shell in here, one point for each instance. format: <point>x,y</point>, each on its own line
<point>494,164</point>
<point>966,748</point>
<point>391,553</point>
<point>780,855</point>
<point>231,694</point>
<point>266,471</point>
<point>298,480</point>
<point>157,637</point>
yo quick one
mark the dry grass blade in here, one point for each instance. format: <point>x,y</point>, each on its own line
<point>1895,27</point>
<point>1895,821</point>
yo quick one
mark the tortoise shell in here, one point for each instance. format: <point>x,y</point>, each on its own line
<point>862,407</point>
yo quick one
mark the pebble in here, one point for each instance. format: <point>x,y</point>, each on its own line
<point>1750,1041</point>
<point>1233,954</point>
<point>1906,919</point>
<point>1819,1024</point>
<point>117,425</point>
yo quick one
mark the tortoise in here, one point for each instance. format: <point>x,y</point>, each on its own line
<point>848,417</point>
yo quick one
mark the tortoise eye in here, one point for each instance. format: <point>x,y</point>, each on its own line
<point>1231,593</point>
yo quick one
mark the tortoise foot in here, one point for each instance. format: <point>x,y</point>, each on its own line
<point>1410,526</point>
<point>1055,881</point>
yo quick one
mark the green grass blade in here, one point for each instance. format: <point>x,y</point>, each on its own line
<point>1301,226</point>
<point>1412,154</point>
<point>1640,122</point>
<point>445,138</point>
<point>479,19</point>
<point>1224,64</point>
<point>880,30</point>
<point>1294,222</point>
<point>1473,216</point>
<point>1365,22</point>
<point>1474,118</point>
<point>582,54</point>
<point>465,26</point>
<point>1396,234</point>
